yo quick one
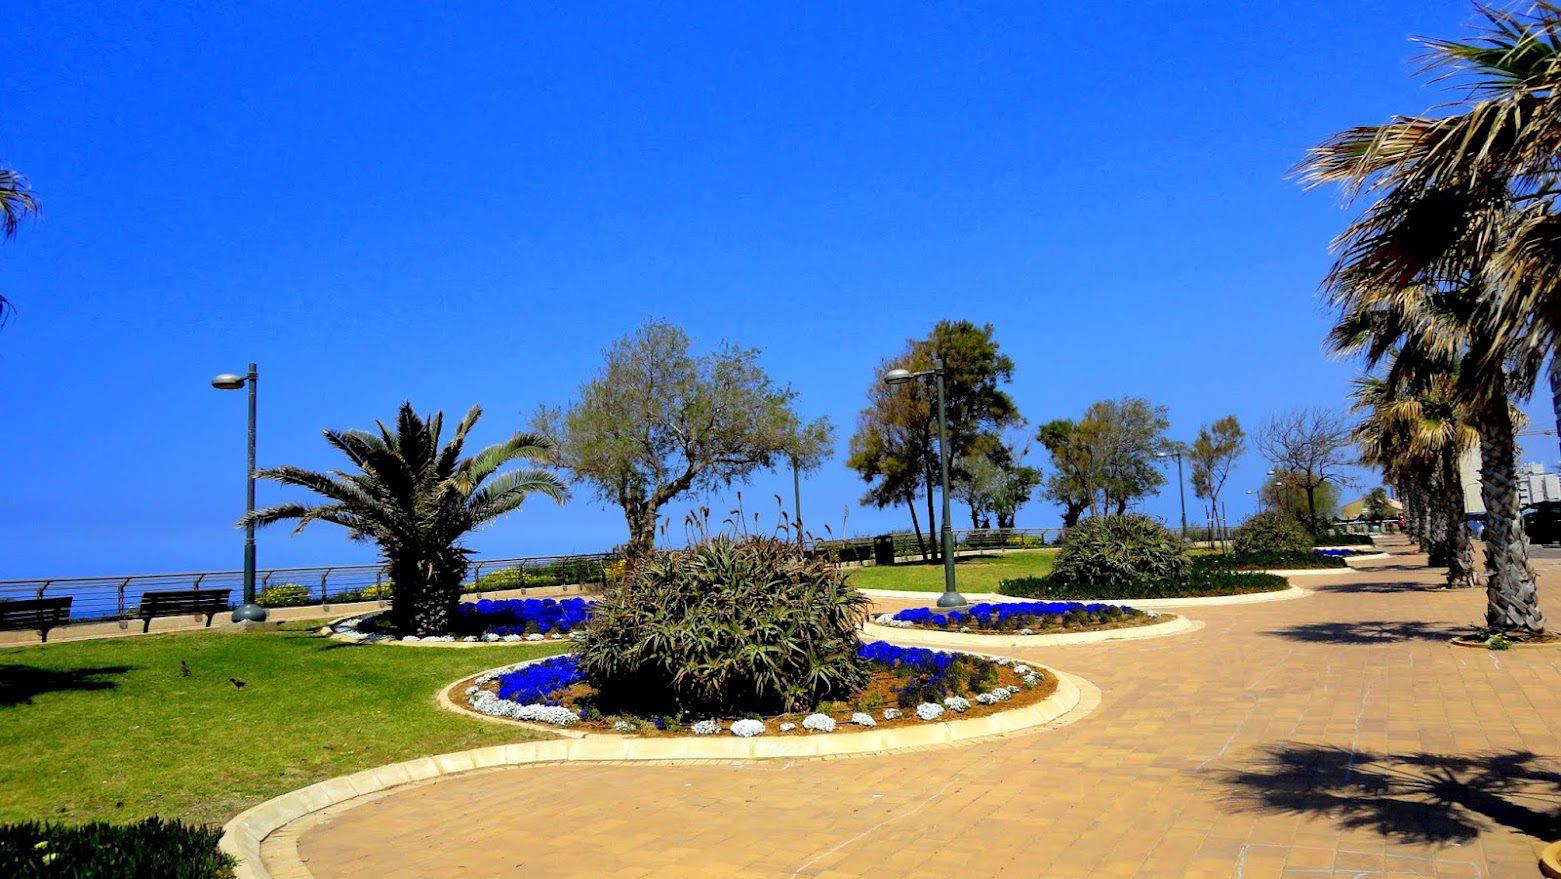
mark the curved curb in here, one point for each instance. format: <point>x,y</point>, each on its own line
<point>1176,625</point>
<point>1515,645</point>
<point>1304,572</point>
<point>243,835</point>
<point>1550,860</point>
<point>1201,601</point>
<point>329,631</point>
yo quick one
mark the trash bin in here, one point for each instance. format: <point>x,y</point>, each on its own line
<point>883,549</point>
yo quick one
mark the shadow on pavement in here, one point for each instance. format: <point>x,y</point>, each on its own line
<point>1409,797</point>
<point>20,683</point>
<point>1370,632</point>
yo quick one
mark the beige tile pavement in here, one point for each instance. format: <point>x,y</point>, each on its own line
<point>1335,735</point>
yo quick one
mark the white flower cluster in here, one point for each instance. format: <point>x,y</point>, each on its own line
<point>1021,670</point>
<point>1027,631</point>
<point>957,704</point>
<point>929,711</point>
<point>997,694</point>
<point>622,726</point>
<point>863,719</point>
<point>705,728</point>
<point>1003,661</point>
<point>892,714</point>
<point>486,702</point>
<point>536,636</point>
<point>819,722</point>
<point>747,728</point>
<point>964,630</point>
<point>787,726</point>
<point>887,619</point>
<point>1031,680</point>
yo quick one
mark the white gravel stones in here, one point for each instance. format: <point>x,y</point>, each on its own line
<point>747,728</point>
<point>892,714</point>
<point>862,718</point>
<point>705,728</point>
<point>957,704</point>
<point>819,722</point>
<point>787,726</point>
<point>929,711</point>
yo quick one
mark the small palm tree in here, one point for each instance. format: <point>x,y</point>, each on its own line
<point>16,203</point>
<point>417,499</point>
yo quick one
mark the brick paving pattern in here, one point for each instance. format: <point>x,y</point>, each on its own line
<point>1338,735</point>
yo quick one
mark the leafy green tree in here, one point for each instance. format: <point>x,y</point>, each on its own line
<point>1214,455</point>
<point>17,202</point>
<point>895,448</point>
<point>417,499</point>
<point>1124,436</point>
<point>1289,497</point>
<point>1377,505</point>
<point>1073,478</point>
<point>657,422</point>
<point>994,483</point>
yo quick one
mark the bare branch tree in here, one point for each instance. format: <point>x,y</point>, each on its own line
<point>1309,448</point>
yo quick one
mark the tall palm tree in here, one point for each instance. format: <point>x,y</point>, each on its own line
<point>1417,434</point>
<point>416,499</point>
<point>17,202</point>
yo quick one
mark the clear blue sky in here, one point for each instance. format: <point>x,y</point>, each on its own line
<point>459,203</point>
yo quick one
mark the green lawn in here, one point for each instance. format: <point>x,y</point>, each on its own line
<point>975,574</point>
<point>112,730</point>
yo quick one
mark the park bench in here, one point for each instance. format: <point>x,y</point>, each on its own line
<point>171,603</point>
<point>41,614</point>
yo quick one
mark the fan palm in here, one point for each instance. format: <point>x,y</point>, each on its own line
<point>416,499</point>
<point>16,203</point>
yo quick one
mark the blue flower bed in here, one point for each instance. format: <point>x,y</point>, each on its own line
<point>1336,553</point>
<point>1011,615</point>
<point>536,683</point>
<point>915,658</point>
<point>523,616</point>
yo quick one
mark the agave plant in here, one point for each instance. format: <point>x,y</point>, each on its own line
<point>416,499</point>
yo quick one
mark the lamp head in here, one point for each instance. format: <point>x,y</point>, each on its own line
<point>897,376</point>
<point>228,382</point>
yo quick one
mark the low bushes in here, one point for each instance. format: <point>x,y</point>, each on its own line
<point>1289,560</point>
<point>563,573</point>
<point>1272,531</point>
<point>285,595</point>
<point>1104,554</point>
<point>100,850</point>
<point>727,627</point>
<point>1023,617</point>
<point>1198,582</point>
<point>1342,540</point>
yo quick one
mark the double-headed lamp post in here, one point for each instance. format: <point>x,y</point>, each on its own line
<point>950,596</point>
<point>1181,490</point>
<point>249,611</point>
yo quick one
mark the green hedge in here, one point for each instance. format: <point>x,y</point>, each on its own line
<point>100,850</point>
<point>1267,561</point>
<point>1342,540</point>
<point>1198,583</point>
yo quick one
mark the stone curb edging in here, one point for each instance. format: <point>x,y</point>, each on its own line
<point>1204,601</point>
<point>1176,625</point>
<point>243,835</point>
<point>1550,860</point>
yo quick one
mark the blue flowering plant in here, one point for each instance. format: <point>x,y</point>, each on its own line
<point>523,616</point>
<point>918,675</point>
<point>1020,616</point>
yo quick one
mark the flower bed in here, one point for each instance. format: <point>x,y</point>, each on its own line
<point>907,685</point>
<point>1201,581</point>
<point>1340,552</point>
<point>502,620</point>
<point>1020,618</point>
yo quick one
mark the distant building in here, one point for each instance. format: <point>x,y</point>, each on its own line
<point>1536,484</point>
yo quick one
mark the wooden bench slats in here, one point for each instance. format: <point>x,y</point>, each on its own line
<point>169,603</point>
<point>41,614</point>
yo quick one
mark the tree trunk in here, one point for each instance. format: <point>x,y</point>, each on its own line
<point>1311,508</point>
<point>641,519</point>
<point>1555,391</point>
<point>424,593</point>
<point>1512,599</point>
<point>916,526</point>
<point>1460,550</point>
<point>1071,514</point>
<point>1438,549</point>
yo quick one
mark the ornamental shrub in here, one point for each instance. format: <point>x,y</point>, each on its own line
<point>725,627</point>
<point>152,847</point>
<point>285,595</point>
<point>1108,553</point>
<point>1273,531</point>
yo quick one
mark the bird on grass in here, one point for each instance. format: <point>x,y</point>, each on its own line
<point>238,683</point>
<point>184,670</point>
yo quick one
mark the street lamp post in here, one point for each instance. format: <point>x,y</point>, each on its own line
<point>950,596</point>
<point>796,496</point>
<point>1181,490</point>
<point>249,611</point>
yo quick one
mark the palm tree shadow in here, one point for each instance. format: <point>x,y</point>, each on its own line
<point>20,683</point>
<point>1428,798</point>
<point>1369,632</point>
<point>1382,588</point>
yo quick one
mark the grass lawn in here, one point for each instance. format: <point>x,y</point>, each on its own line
<point>974,574</point>
<point>112,730</point>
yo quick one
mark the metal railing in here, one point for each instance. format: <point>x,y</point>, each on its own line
<point>118,597</point>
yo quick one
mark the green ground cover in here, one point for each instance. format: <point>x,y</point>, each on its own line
<point>112,729</point>
<point>975,573</point>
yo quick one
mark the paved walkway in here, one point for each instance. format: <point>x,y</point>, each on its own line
<point>1336,735</point>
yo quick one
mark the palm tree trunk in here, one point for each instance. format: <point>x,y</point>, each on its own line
<point>424,594</point>
<point>1555,390</point>
<point>1438,547</point>
<point>1460,554</point>
<point>1512,599</point>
